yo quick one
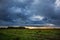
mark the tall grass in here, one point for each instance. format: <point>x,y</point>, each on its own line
<point>26,34</point>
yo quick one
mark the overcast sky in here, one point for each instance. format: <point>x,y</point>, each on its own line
<point>17,12</point>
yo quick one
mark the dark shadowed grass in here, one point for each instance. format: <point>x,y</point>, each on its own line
<point>26,34</point>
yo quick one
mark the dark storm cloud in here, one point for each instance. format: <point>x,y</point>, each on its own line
<point>16,12</point>
<point>13,11</point>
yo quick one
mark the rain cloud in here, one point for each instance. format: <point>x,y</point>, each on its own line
<point>17,12</point>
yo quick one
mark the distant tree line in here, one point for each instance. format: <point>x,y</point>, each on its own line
<point>16,27</point>
<point>13,28</point>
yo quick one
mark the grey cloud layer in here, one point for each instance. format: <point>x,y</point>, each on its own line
<point>16,12</point>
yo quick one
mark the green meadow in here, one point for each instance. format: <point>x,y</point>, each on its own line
<point>27,34</point>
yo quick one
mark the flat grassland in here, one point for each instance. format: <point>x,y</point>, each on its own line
<point>27,34</point>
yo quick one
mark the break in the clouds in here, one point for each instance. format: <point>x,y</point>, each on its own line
<point>18,12</point>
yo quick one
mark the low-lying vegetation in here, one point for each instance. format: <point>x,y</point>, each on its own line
<point>26,34</point>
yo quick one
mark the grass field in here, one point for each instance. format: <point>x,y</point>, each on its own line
<point>26,34</point>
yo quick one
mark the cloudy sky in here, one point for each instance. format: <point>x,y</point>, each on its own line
<point>18,12</point>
